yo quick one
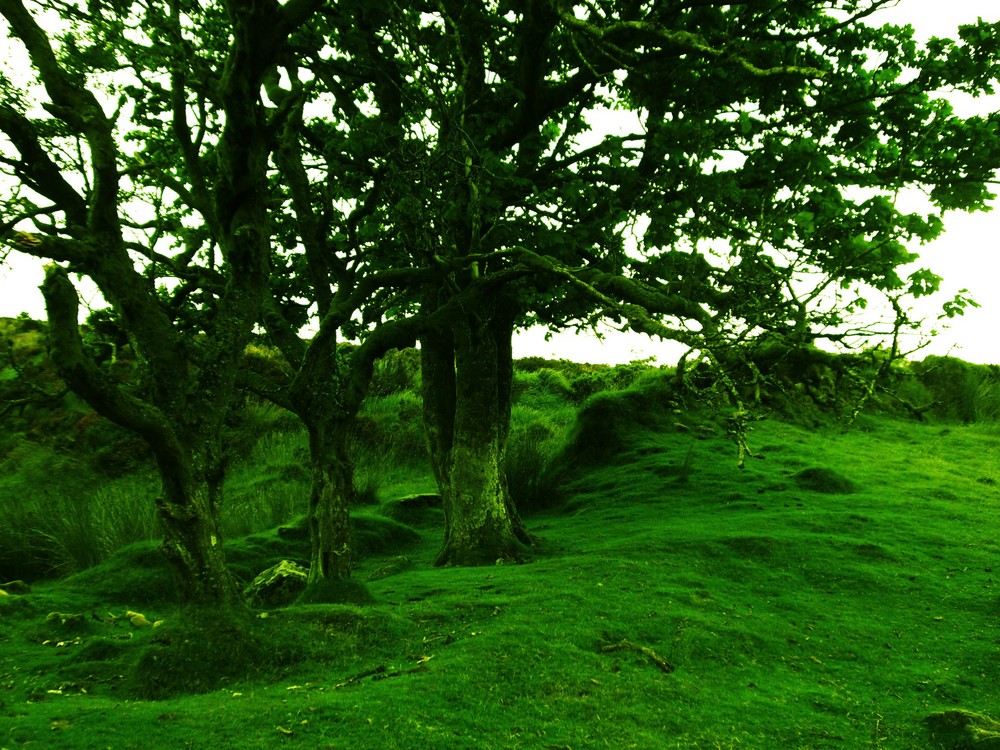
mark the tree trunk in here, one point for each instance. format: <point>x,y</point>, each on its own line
<point>466,379</point>
<point>192,542</point>
<point>437,371</point>
<point>332,492</point>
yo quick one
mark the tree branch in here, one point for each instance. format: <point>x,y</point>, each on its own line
<point>682,40</point>
<point>37,169</point>
<point>86,379</point>
<point>77,107</point>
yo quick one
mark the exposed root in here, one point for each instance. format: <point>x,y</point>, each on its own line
<point>664,666</point>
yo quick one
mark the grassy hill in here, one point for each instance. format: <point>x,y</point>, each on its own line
<point>839,592</point>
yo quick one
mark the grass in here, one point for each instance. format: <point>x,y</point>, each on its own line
<point>793,612</point>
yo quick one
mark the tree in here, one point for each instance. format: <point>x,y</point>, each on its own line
<point>770,142</point>
<point>337,257</point>
<point>196,130</point>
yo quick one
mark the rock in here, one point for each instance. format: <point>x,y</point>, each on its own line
<point>963,730</point>
<point>278,585</point>
<point>69,621</point>
<point>15,587</point>
<point>137,619</point>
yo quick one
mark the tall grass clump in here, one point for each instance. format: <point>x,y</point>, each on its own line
<point>987,400</point>
<point>388,444</point>
<point>55,525</point>
<point>270,486</point>
<point>393,424</point>
<point>543,384</point>
<point>544,408</point>
<point>395,372</point>
<point>534,477</point>
<point>79,532</point>
<point>956,387</point>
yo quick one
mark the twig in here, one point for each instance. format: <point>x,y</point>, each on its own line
<point>664,666</point>
<point>380,672</point>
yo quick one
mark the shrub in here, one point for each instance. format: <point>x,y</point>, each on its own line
<point>608,423</point>
<point>390,431</point>
<point>615,378</point>
<point>542,383</point>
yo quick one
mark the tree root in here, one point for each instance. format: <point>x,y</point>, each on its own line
<point>623,645</point>
<point>380,672</point>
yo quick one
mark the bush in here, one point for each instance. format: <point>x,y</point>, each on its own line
<point>541,383</point>
<point>987,398</point>
<point>390,432</point>
<point>615,378</point>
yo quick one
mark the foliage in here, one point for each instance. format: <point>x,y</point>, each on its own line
<point>540,422</point>
<point>352,166</point>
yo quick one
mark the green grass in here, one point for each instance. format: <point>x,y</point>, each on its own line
<point>792,617</point>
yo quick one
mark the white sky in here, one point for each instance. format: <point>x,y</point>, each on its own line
<point>967,256</point>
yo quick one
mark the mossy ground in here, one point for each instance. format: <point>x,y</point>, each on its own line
<point>831,595</point>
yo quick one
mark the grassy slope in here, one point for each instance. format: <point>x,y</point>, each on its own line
<point>793,618</point>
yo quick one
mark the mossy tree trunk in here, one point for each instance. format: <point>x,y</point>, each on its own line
<point>188,513</point>
<point>185,443</point>
<point>326,390</point>
<point>330,499</point>
<point>467,372</point>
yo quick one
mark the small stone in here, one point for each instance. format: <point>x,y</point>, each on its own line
<point>60,618</point>
<point>138,619</point>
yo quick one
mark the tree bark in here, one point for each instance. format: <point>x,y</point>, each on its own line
<point>332,492</point>
<point>467,372</point>
<point>192,543</point>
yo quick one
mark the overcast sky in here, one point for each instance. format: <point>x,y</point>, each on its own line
<point>967,256</point>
